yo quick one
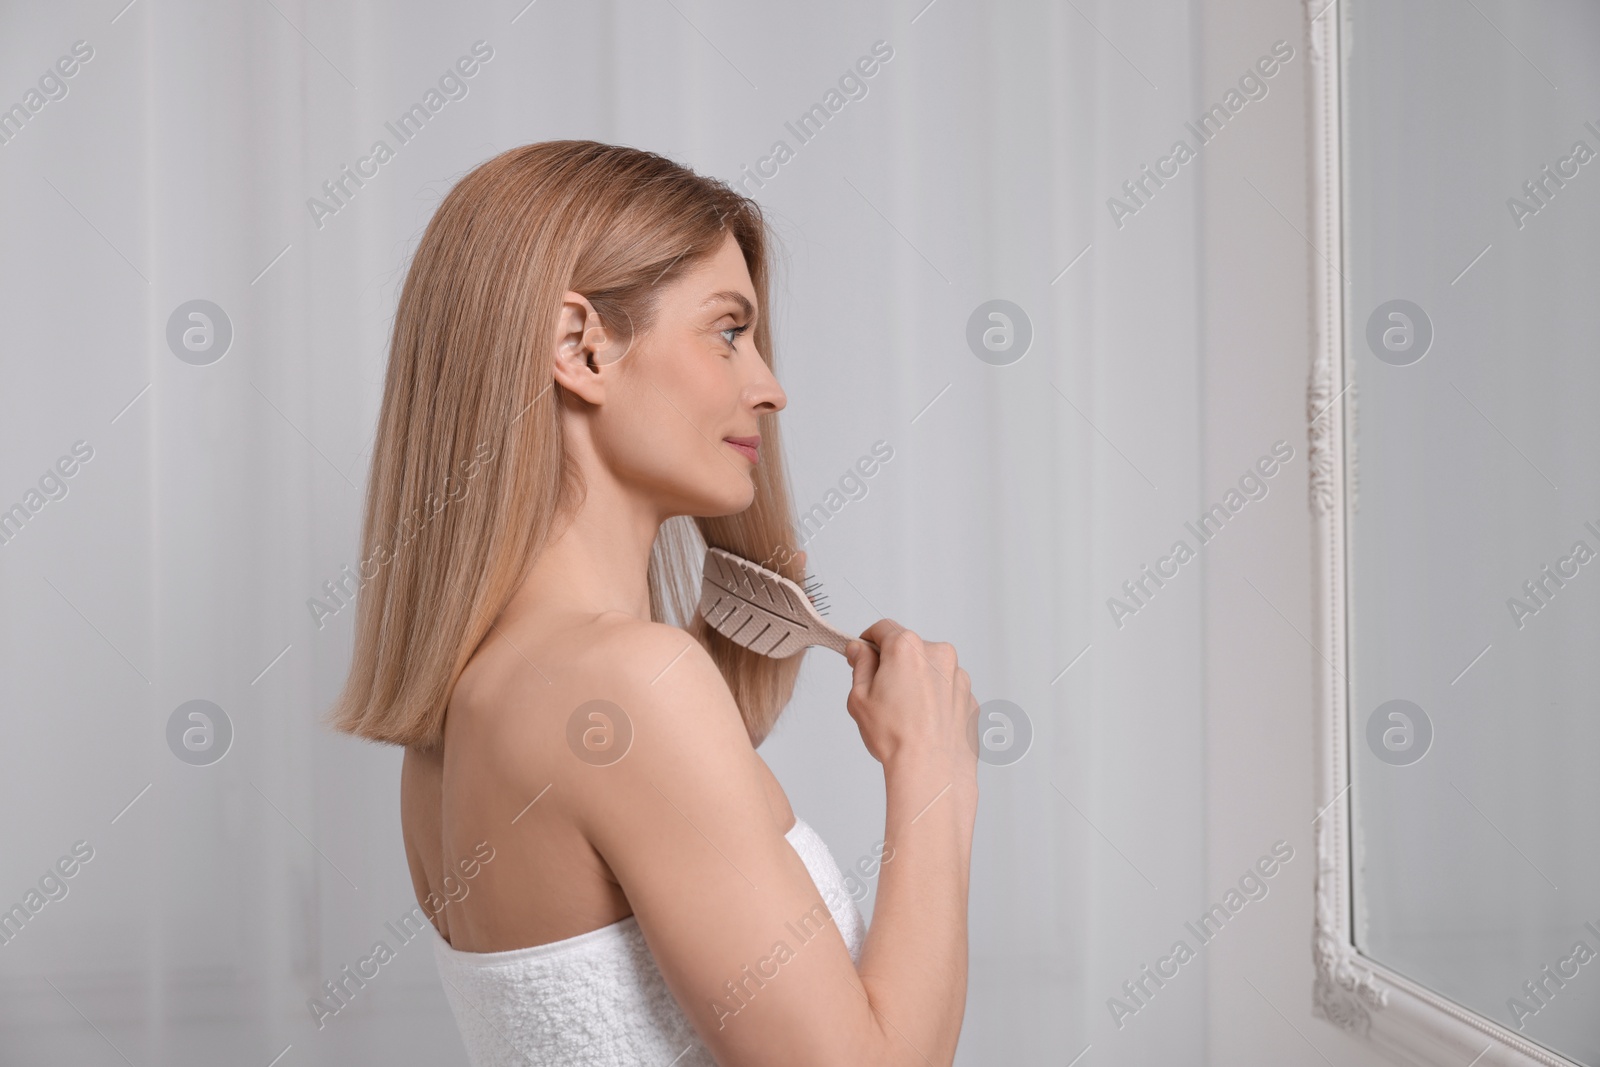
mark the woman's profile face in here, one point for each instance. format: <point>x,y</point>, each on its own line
<point>680,419</point>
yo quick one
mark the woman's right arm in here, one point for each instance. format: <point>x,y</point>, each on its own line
<point>913,704</point>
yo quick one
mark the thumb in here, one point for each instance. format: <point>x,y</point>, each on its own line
<point>863,662</point>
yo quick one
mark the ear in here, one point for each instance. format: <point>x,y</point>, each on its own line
<point>584,349</point>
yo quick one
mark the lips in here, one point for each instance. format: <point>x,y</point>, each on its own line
<point>748,447</point>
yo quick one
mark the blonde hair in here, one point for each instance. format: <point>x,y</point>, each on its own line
<point>469,459</point>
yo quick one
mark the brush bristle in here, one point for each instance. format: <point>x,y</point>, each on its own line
<point>813,587</point>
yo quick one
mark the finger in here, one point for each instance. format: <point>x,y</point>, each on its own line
<point>863,663</point>
<point>881,631</point>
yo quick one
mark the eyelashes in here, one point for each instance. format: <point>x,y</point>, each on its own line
<point>736,331</point>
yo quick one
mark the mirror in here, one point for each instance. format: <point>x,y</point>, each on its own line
<point>1465,269</point>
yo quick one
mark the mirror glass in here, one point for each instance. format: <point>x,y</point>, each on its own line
<point>1471,145</point>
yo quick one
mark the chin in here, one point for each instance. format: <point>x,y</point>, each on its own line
<point>729,501</point>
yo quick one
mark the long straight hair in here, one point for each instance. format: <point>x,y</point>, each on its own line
<point>469,470</point>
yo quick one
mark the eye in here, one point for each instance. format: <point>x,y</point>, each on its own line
<point>736,331</point>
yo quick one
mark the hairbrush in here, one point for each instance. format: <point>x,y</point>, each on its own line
<point>762,610</point>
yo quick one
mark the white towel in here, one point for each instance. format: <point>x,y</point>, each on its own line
<point>598,999</point>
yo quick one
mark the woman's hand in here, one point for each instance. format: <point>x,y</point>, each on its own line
<point>912,700</point>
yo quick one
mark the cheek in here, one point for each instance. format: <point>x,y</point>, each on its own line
<point>667,419</point>
<point>665,437</point>
<point>642,434</point>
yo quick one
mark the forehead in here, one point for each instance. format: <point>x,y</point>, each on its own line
<point>714,280</point>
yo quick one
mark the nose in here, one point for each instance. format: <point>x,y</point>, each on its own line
<point>766,395</point>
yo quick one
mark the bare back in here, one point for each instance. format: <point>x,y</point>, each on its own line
<point>496,822</point>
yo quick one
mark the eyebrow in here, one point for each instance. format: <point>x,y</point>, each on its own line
<point>735,298</point>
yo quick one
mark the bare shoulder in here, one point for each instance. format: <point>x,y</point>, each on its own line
<point>641,656</point>
<point>607,701</point>
<point>612,657</point>
<point>664,676</point>
<point>671,709</point>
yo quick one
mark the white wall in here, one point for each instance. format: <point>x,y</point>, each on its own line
<point>1258,663</point>
<point>1168,358</point>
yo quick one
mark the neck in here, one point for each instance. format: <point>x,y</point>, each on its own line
<point>600,560</point>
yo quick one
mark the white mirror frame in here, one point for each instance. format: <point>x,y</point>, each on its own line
<point>1406,1022</point>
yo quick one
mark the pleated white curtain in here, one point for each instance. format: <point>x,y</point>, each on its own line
<point>227,154</point>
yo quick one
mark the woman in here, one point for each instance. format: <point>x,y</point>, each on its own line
<point>580,396</point>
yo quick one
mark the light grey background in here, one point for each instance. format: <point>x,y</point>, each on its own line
<point>1168,355</point>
